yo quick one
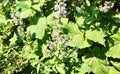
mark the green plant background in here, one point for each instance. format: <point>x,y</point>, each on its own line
<point>94,46</point>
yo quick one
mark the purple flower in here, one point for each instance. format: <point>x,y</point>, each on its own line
<point>64,13</point>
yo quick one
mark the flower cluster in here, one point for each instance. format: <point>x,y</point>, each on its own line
<point>15,17</point>
<point>106,6</point>
<point>58,42</point>
<point>60,9</point>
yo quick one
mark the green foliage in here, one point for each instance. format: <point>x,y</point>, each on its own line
<point>96,36</point>
<point>82,38</point>
<point>79,41</point>
<point>39,29</point>
<point>114,51</point>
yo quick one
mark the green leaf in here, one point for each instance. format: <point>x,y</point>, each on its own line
<point>36,7</point>
<point>116,65</point>
<point>33,62</point>
<point>29,54</point>
<point>87,2</point>
<point>41,2</point>
<point>89,19</point>
<point>113,71</point>
<point>60,68</point>
<point>96,60</point>
<point>114,51</point>
<point>84,68</point>
<point>116,37</point>
<point>39,5</point>
<point>2,19</point>
<point>96,36</point>
<point>51,19</point>
<point>64,20</point>
<point>38,68</point>
<point>47,69</point>
<point>80,20</point>
<point>23,5</point>
<point>117,16</point>
<point>73,55</point>
<point>44,47</point>
<point>27,13</point>
<point>76,40</point>
<point>79,41</point>
<point>98,66</point>
<point>5,2</point>
<point>13,39</point>
<point>72,28</point>
<point>36,1</point>
<point>39,29</point>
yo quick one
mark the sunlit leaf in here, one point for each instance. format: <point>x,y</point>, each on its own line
<point>39,5</point>
<point>72,28</point>
<point>96,60</point>
<point>117,16</point>
<point>27,13</point>
<point>36,1</point>
<point>84,68</point>
<point>64,20</point>
<point>79,41</point>
<point>96,36</point>
<point>113,71</point>
<point>80,21</point>
<point>34,62</point>
<point>39,29</point>
<point>23,5</point>
<point>116,37</point>
<point>87,2</point>
<point>41,2</point>
<point>36,7</point>
<point>28,53</point>
<point>2,19</point>
<point>60,68</point>
<point>5,2</point>
<point>114,51</point>
<point>13,39</point>
<point>98,66</point>
<point>116,65</point>
<point>50,19</point>
<point>38,68</point>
